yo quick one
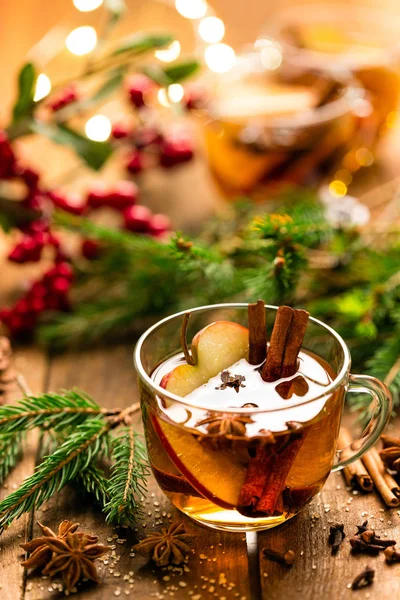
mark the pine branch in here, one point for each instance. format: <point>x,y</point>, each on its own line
<point>385,364</point>
<point>70,459</point>
<point>94,481</point>
<point>10,452</point>
<point>57,411</point>
<point>129,473</point>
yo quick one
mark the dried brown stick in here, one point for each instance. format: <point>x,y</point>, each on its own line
<point>355,474</point>
<point>257,333</point>
<point>294,342</point>
<point>376,469</point>
<point>273,365</point>
<point>183,340</point>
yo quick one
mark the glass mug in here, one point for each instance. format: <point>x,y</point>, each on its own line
<point>358,39</point>
<point>203,475</point>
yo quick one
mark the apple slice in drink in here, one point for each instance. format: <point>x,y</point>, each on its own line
<point>214,349</point>
<point>215,474</point>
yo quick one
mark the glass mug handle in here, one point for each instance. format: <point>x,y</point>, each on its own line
<point>364,384</point>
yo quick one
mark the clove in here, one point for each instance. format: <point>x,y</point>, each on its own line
<point>364,579</point>
<point>392,555</point>
<point>362,528</point>
<point>286,558</point>
<point>359,546</point>
<point>336,536</point>
<point>369,537</point>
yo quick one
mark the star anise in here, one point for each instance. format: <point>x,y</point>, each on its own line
<point>233,381</point>
<point>40,553</point>
<point>226,424</point>
<point>390,454</point>
<point>167,546</point>
<point>73,558</point>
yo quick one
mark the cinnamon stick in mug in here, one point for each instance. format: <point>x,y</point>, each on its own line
<point>257,333</point>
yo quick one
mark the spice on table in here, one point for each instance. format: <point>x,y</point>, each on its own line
<point>355,474</point>
<point>366,541</point>
<point>166,547</point>
<point>390,454</point>
<point>71,554</point>
<point>40,553</point>
<point>376,469</point>
<point>364,579</point>
<point>286,558</point>
<point>336,536</point>
<point>392,555</point>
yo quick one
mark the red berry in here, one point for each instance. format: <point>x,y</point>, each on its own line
<point>64,269</point>
<point>123,194</point>
<point>71,203</point>
<point>120,131</point>
<point>5,314</point>
<point>137,218</point>
<point>7,158</point>
<point>29,176</point>
<point>147,136</point>
<point>60,285</point>
<point>195,97</point>
<point>90,249</point>
<point>138,87</point>
<point>22,307</point>
<point>15,323</point>
<point>135,162</point>
<point>176,149</point>
<point>38,290</point>
<point>98,195</point>
<point>65,97</point>
<point>159,224</point>
<point>37,305</point>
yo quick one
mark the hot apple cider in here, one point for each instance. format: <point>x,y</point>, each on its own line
<point>254,437</point>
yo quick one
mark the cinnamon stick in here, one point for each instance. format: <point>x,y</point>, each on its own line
<point>256,478</point>
<point>286,341</point>
<point>273,365</point>
<point>276,481</point>
<point>257,333</point>
<point>355,474</point>
<point>376,469</point>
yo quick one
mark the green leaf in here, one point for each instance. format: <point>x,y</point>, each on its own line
<point>181,70</point>
<point>94,154</point>
<point>140,43</point>
<point>109,86</point>
<point>26,90</point>
<point>173,74</point>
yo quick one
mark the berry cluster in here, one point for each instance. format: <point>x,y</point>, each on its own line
<point>48,293</point>
<point>68,95</point>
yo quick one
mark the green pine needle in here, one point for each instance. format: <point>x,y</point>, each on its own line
<point>10,452</point>
<point>57,469</point>
<point>49,411</point>
<point>94,481</point>
<point>128,476</point>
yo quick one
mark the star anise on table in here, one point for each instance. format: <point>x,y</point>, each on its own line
<point>233,381</point>
<point>40,553</point>
<point>166,547</point>
<point>390,454</point>
<point>226,424</point>
<point>70,554</point>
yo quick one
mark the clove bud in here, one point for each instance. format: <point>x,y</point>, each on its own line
<point>336,536</point>
<point>358,545</point>
<point>370,537</point>
<point>286,558</point>
<point>392,555</point>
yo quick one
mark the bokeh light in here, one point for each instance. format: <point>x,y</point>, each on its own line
<point>175,92</point>
<point>337,188</point>
<point>98,128</point>
<point>169,54</point>
<point>191,9</point>
<point>219,58</point>
<point>162,97</point>
<point>344,175</point>
<point>364,157</point>
<point>211,30</point>
<point>43,87</point>
<point>87,5</point>
<point>81,40</point>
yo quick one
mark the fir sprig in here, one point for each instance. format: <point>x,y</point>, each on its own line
<point>10,452</point>
<point>129,473</point>
<point>56,470</point>
<point>95,482</point>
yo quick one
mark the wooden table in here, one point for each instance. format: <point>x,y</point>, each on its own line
<point>225,566</point>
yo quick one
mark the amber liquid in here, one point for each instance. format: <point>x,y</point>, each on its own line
<point>279,155</point>
<point>203,475</point>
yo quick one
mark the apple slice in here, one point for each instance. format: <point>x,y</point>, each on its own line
<point>214,349</point>
<point>213,473</point>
